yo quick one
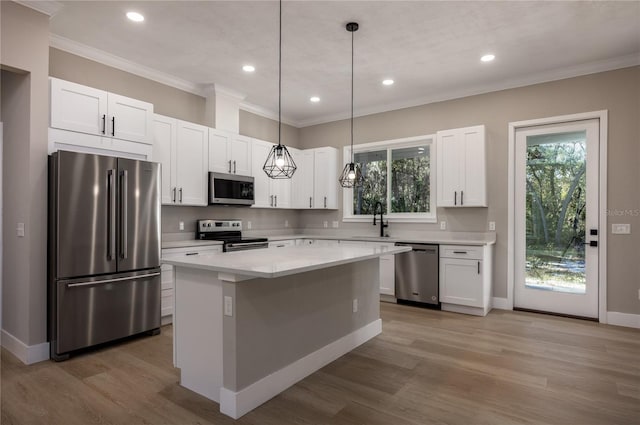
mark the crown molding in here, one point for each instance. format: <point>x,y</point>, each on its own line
<point>117,62</point>
<point>267,113</point>
<point>527,80</point>
<point>49,7</point>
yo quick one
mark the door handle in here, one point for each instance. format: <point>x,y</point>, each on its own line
<point>104,123</point>
<point>180,195</point>
<point>124,177</point>
<point>111,249</point>
<point>592,243</point>
<point>229,166</point>
<point>234,167</point>
<point>113,126</point>
<point>174,195</point>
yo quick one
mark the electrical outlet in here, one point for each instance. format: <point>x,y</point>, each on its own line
<point>248,225</point>
<point>639,294</point>
<point>336,224</point>
<point>286,223</point>
<point>228,306</point>
<point>181,225</point>
<point>20,230</point>
<point>355,305</point>
<point>621,229</point>
<point>326,224</point>
<point>492,226</point>
<point>443,225</point>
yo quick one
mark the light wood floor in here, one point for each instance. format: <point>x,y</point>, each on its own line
<point>427,367</point>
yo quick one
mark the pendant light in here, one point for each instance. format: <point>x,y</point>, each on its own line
<point>279,163</point>
<point>351,175</point>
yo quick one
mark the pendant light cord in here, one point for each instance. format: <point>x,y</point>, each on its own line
<point>352,155</point>
<point>280,77</point>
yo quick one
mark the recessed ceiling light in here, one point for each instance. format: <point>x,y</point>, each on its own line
<point>248,68</point>
<point>314,99</point>
<point>388,82</point>
<point>488,58</point>
<point>135,16</point>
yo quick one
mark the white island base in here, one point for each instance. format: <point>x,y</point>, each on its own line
<point>240,340</point>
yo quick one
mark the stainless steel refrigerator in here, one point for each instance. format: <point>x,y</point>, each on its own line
<point>104,250</point>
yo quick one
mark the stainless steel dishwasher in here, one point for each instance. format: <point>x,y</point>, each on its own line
<point>417,273</point>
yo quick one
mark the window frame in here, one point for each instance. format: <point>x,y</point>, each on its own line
<point>389,146</point>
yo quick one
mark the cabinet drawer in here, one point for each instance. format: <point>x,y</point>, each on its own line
<point>192,250</point>
<point>461,251</point>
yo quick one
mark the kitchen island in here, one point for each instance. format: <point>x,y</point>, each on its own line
<point>249,324</point>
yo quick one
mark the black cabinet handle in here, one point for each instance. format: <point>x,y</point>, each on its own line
<point>174,195</point>
<point>191,253</point>
<point>462,197</point>
<point>455,198</point>
<point>309,201</point>
<point>459,252</point>
<point>104,123</point>
<point>478,267</point>
<point>113,126</point>
<point>180,195</point>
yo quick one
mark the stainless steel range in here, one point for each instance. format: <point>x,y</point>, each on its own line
<point>230,233</point>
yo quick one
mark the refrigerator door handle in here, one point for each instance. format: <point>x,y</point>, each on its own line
<point>124,180</point>
<point>111,249</point>
<point>119,279</point>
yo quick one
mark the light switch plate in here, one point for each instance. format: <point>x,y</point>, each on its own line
<point>355,305</point>
<point>326,224</point>
<point>336,224</point>
<point>621,229</point>
<point>443,225</point>
<point>492,226</point>
<point>182,225</point>
<point>20,230</point>
<point>248,225</point>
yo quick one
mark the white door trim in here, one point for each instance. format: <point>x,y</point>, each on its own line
<point>602,116</point>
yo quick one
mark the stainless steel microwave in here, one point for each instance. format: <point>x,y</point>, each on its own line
<point>230,189</point>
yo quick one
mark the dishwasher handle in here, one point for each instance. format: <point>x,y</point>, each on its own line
<point>421,248</point>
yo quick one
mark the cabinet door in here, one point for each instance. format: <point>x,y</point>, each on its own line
<point>281,191</point>
<point>387,275</point>
<point>461,282</point>
<point>241,155</point>
<point>191,163</point>
<point>219,151</point>
<point>164,152</point>
<point>262,182</point>
<point>473,175</point>
<point>449,164</point>
<point>78,108</point>
<point>325,181</point>
<point>302,181</point>
<point>129,119</point>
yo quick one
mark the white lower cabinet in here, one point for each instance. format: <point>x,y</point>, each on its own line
<point>167,277</point>
<point>465,278</point>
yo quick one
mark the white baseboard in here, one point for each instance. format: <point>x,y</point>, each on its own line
<point>236,404</point>
<point>623,319</point>
<point>500,303</point>
<point>27,354</point>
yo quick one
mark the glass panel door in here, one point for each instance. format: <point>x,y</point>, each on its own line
<point>556,218</point>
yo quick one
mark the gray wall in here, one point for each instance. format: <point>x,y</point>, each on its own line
<point>25,60</point>
<point>617,91</point>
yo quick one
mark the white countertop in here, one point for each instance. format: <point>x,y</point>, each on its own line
<point>271,263</point>
<point>461,238</point>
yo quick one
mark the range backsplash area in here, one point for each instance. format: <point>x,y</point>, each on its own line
<point>260,218</point>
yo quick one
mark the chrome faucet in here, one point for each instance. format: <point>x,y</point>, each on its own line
<point>382,224</point>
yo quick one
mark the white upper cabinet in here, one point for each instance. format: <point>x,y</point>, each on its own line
<point>461,167</point>
<point>84,109</point>
<point>229,153</point>
<point>182,149</point>
<point>268,192</point>
<point>325,178</point>
<point>302,181</point>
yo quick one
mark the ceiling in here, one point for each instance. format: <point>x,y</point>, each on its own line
<point>431,49</point>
